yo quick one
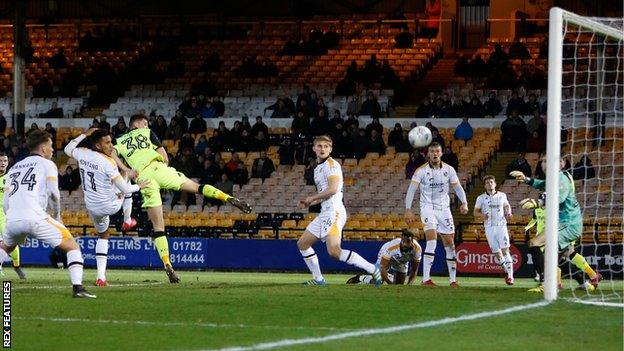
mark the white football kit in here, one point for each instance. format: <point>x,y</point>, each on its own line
<point>398,260</point>
<point>435,210</point>
<point>29,184</point>
<point>496,223</point>
<point>333,214</point>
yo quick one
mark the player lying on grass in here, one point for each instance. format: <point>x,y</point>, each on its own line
<point>327,227</point>
<point>395,259</point>
<point>495,210</point>
<point>570,218</point>
<point>15,254</point>
<point>106,191</point>
<point>433,180</point>
<point>148,161</point>
<point>33,187</point>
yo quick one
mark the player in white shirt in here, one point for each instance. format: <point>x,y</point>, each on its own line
<point>32,187</point>
<point>395,259</point>
<point>105,189</point>
<point>433,180</point>
<point>327,227</point>
<point>495,210</point>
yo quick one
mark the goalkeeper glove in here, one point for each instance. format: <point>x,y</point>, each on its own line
<point>520,177</point>
<point>529,204</point>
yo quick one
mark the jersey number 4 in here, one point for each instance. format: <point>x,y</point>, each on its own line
<point>91,176</point>
<point>29,179</point>
<point>137,143</point>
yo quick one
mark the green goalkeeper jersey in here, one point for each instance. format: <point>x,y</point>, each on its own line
<point>569,209</point>
<point>538,221</point>
<point>138,148</point>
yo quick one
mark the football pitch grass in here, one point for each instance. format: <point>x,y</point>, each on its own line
<point>216,310</point>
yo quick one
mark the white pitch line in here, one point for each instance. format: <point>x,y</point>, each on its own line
<point>598,303</point>
<point>46,287</point>
<point>386,330</point>
<point>173,324</point>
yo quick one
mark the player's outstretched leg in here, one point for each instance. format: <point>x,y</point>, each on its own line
<point>15,257</point>
<point>161,243</point>
<point>211,192</point>
<point>352,258</point>
<point>310,258</point>
<point>580,262</point>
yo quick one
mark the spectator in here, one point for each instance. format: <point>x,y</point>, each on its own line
<point>259,126</point>
<point>404,40</point>
<point>498,58</point>
<point>416,160</point>
<point>432,11</point>
<point>187,163</point>
<point>304,152</point>
<point>53,112</point>
<point>536,124</point>
<point>462,66</point>
<point>352,122</point>
<point>175,131</point>
<point>300,124</point>
<point>48,128</point>
<point>186,141</point>
<point>424,110</point>
<point>281,110</point>
<point>376,143</point>
<point>232,165</point>
<point>519,164</point>
<point>308,174</point>
<point>464,130</point>
<point>160,127</point>
<point>192,110</point>
<point>3,123</point>
<point>436,137</point>
<point>225,184</point>
<point>210,173</point>
<point>202,145</point>
<point>531,105</point>
<point>33,127</point>
<point>240,176</point>
<point>286,152</point>
<point>262,167</point>
<point>376,126</point>
<point>539,172</point>
<point>395,135</point>
<point>216,141</point>
<point>120,128</point>
<point>259,142</point>
<point>477,67</point>
<point>536,143</point>
<point>208,111</point>
<point>58,60</point>
<point>583,169</point>
<point>43,88</point>
<point>404,145</point>
<point>518,50</point>
<point>69,181</point>
<point>450,158</point>
<point>476,110</point>
<point>103,124</point>
<point>492,106</point>
<point>360,144</point>
<point>218,106</point>
<point>336,120</point>
<point>354,106</point>
<point>198,125</point>
<point>513,132</point>
<point>320,124</point>
<point>515,103</point>
<point>370,107</point>
<point>181,121</point>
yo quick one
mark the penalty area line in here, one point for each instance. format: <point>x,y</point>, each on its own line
<point>386,330</point>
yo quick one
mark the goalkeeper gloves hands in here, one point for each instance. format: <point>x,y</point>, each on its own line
<point>520,177</point>
<point>529,204</point>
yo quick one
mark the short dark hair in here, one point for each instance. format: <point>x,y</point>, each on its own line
<point>36,138</point>
<point>2,154</point>
<point>407,233</point>
<point>435,144</point>
<point>137,117</point>
<point>488,177</point>
<point>97,135</point>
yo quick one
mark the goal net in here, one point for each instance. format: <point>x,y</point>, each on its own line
<point>586,99</point>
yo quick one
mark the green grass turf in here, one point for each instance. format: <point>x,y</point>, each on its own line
<point>214,310</point>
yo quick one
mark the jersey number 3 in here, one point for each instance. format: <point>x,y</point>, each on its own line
<point>29,179</point>
<point>137,143</point>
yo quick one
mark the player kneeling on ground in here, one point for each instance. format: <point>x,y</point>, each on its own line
<point>495,210</point>
<point>33,187</point>
<point>570,221</point>
<point>15,255</point>
<point>395,259</point>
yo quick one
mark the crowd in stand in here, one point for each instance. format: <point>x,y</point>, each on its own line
<point>317,43</point>
<point>373,72</point>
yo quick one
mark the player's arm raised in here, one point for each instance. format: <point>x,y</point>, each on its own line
<point>410,218</point>
<point>333,187</point>
<point>73,144</point>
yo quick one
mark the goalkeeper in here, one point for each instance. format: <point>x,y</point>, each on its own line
<point>570,218</point>
<point>148,160</point>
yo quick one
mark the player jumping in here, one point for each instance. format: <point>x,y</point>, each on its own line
<point>327,227</point>
<point>105,190</point>
<point>495,210</point>
<point>33,187</point>
<point>433,180</point>
<point>395,258</point>
<point>15,255</point>
<point>570,219</point>
<point>148,161</point>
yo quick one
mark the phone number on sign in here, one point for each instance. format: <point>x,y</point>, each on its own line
<point>187,245</point>
<point>187,258</point>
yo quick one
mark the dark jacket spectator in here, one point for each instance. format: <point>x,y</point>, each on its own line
<point>187,163</point>
<point>304,152</point>
<point>202,145</point>
<point>464,130</point>
<point>532,105</point>
<point>518,50</point>
<point>424,110</point>
<point>262,167</point>
<point>475,109</point>
<point>160,127</point>
<point>515,103</point>
<point>186,142</point>
<point>208,111</point>
<point>351,122</point>
<point>404,145</point>
<point>370,107</point>
<point>320,124</point>
<point>120,128</point>
<point>259,142</point>
<point>281,110</point>
<point>300,124</point>
<point>43,88</point>
<point>354,106</point>
<point>336,119</point>
<point>259,126</point>
<point>175,131</point>
<point>583,169</point>
<point>404,40</point>
<point>58,60</point>
<point>286,152</point>
<point>492,106</point>
<point>519,164</point>
<point>395,135</point>
<point>437,138</point>
<point>478,67</point>
<point>198,125</point>
<point>181,121</point>
<point>308,174</point>
<point>374,126</point>
<point>360,144</point>
<point>3,123</point>
<point>240,175</point>
<point>53,112</point>
<point>218,106</point>
<point>376,143</point>
<point>513,133</point>
<point>450,158</point>
<point>210,173</point>
<point>416,160</point>
<point>225,184</point>
<point>536,124</point>
<point>536,143</point>
<point>48,128</point>
<point>69,181</point>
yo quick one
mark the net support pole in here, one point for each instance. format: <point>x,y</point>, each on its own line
<point>553,145</point>
<point>19,67</point>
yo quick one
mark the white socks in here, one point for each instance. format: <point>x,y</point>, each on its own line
<point>311,260</point>
<point>509,264</point>
<point>101,253</point>
<point>74,265</point>
<point>127,208</point>
<point>428,256</point>
<point>451,263</point>
<point>352,258</point>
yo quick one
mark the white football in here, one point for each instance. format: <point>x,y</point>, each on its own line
<point>420,137</point>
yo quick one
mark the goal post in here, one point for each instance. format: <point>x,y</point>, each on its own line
<point>585,61</point>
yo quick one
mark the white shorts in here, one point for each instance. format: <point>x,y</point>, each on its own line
<point>327,224</point>
<point>497,237</point>
<point>100,217</point>
<point>48,230</point>
<point>440,220</point>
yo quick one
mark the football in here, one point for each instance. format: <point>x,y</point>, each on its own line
<point>420,137</point>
